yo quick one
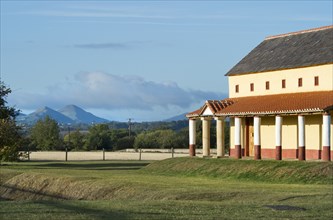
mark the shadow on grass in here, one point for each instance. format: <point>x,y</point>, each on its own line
<point>86,165</point>
<point>90,213</point>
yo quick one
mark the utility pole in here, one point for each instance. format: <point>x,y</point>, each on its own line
<point>129,126</point>
<point>69,134</point>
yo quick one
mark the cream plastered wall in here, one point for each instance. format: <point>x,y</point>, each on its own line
<point>289,132</point>
<point>313,132</point>
<point>324,72</point>
<point>267,130</point>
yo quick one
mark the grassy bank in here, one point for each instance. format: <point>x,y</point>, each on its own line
<point>159,190</point>
<point>269,171</point>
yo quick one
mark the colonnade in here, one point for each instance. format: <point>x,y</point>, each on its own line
<point>206,122</point>
<point>326,137</point>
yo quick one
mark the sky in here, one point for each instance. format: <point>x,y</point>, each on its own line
<point>146,60</point>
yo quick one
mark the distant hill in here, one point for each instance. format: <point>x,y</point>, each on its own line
<point>46,111</point>
<point>20,117</point>
<point>176,118</point>
<point>78,115</point>
<point>69,114</point>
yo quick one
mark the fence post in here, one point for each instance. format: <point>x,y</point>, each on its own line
<point>28,155</point>
<point>66,154</point>
<point>172,152</point>
<point>103,154</point>
<point>140,151</point>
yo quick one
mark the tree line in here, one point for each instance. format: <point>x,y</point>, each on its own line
<point>47,134</point>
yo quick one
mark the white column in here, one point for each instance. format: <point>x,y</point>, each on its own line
<point>301,137</point>
<point>256,129</point>
<point>238,123</point>
<point>192,136</point>
<point>326,139</point>
<point>238,147</point>
<point>220,150</point>
<point>278,130</point>
<point>205,136</point>
<point>278,137</point>
<point>326,130</point>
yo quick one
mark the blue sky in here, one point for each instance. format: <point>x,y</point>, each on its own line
<point>147,60</point>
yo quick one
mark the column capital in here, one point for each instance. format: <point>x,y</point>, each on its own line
<point>219,118</point>
<point>206,118</point>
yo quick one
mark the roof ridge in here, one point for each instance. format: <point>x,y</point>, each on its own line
<point>299,32</point>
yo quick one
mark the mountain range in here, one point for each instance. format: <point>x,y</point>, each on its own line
<point>70,114</point>
<point>176,118</point>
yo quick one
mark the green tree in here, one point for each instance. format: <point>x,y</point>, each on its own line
<point>10,137</point>
<point>6,112</point>
<point>156,139</point>
<point>10,140</point>
<point>45,135</point>
<point>75,140</point>
<point>124,143</point>
<point>99,137</point>
<point>181,139</point>
<point>120,139</point>
<point>145,140</point>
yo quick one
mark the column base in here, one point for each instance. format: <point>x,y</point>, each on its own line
<point>192,150</point>
<point>326,153</point>
<point>278,153</point>
<point>220,154</point>
<point>301,153</point>
<point>257,152</point>
<point>238,151</point>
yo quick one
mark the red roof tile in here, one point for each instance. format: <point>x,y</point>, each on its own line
<point>291,103</point>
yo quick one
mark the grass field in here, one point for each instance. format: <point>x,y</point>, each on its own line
<point>182,188</point>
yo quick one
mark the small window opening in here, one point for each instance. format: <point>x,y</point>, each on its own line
<point>237,88</point>
<point>283,84</point>
<point>300,82</point>
<point>251,87</point>
<point>316,80</point>
<point>267,85</point>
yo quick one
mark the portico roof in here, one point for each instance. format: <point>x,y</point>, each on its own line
<point>291,103</point>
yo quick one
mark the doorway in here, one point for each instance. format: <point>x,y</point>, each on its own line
<point>249,143</point>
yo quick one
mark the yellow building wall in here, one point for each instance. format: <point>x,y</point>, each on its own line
<point>289,132</point>
<point>324,72</point>
<point>267,130</point>
<point>313,132</point>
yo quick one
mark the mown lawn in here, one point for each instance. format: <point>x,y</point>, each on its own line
<point>162,190</point>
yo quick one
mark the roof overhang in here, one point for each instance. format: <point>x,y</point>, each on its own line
<point>268,105</point>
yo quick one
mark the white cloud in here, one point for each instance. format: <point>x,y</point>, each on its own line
<point>98,90</point>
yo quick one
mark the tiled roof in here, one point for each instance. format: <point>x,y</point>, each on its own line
<point>291,103</point>
<point>298,49</point>
<point>216,105</point>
